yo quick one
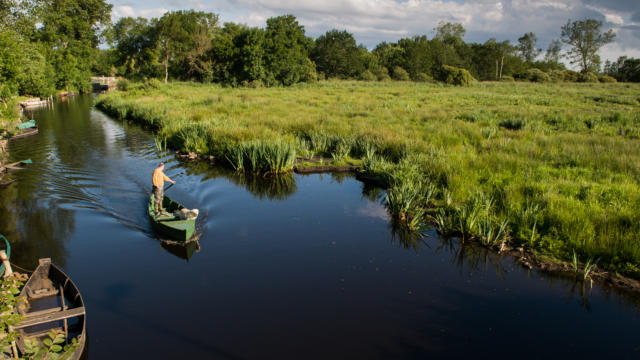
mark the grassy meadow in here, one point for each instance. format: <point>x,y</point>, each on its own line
<point>551,167</point>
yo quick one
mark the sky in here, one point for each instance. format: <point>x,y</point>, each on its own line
<point>374,21</point>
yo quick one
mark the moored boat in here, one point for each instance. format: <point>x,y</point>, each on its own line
<point>53,302</point>
<point>18,165</point>
<point>28,128</point>
<point>170,224</point>
<point>34,102</point>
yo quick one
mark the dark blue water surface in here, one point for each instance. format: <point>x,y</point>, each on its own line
<point>299,267</point>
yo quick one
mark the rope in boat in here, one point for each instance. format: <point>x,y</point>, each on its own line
<point>8,250</point>
<point>21,268</point>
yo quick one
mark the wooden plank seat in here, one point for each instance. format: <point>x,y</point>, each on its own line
<point>50,317</point>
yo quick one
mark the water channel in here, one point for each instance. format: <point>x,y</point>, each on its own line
<point>301,267</point>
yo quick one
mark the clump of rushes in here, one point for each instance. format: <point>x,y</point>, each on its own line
<point>262,157</point>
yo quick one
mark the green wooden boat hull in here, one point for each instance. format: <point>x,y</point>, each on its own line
<point>171,226</point>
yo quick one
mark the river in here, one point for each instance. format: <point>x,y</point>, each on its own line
<point>300,267</point>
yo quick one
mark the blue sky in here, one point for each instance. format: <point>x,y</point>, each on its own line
<point>373,21</point>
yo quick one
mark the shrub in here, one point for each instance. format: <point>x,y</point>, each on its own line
<point>152,84</point>
<point>400,74</point>
<point>607,79</point>
<point>123,84</point>
<point>455,76</point>
<point>537,75</point>
<point>571,76</point>
<point>309,73</point>
<point>507,78</point>
<point>588,77</point>
<point>382,73</point>
<point>422,77</point>
<point>367,75</point>
<point>556,75</point>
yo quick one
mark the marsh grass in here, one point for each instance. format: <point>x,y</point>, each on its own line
<point>558,163</point>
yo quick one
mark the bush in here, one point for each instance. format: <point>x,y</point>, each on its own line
<point>537,75</point>
<point>571,76</point>
<point>455,76</point>
<point>382,74</point>
<point>556,75</point>
<point>309,73</point>
<point>507,78</point>
<point>588,77</point>
<point>367,75</point>
<point>400,74</point>
<point>607,79</point>
<point>123,84</point>
<point>422,77</point>
<point>152,84</point>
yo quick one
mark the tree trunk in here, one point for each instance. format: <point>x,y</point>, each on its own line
<point>501,66</point>
<point>166,69</point>
<point>497,78</point>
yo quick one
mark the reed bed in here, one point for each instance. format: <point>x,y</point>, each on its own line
<point>552,167</point>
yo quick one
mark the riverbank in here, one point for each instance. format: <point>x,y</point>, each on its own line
<point>552,168</point>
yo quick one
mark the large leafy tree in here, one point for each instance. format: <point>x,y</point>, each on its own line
<point>527,46</point>
<point>184,39</point>
<point>585,38</point>
<point>70,29</point>
<point>134,43</point>
<point>336,54</point>
<point>450,33</point>
<point>286,51</point>
<point>417,57</point>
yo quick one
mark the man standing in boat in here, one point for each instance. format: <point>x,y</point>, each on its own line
<point>158,187</point>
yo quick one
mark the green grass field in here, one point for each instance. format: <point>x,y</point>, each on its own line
<point>555,168</point>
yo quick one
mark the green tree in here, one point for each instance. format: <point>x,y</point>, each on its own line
<point>417,56</point>
<point>553,53</point>
<point>286,50</point>
<point>585,38</point>
<point>184,40</point>
<point>336,54</point>
<point>70,30</point>
<point>527,47</point>
<point>133,41</point>
<point>450,33</point>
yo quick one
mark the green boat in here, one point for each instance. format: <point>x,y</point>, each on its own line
<point>171,226</point>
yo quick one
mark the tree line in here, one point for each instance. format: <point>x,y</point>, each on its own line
<point>48,45</point>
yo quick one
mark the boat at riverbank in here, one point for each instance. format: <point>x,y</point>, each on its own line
<point>171,225</point>
<point>18,165</point>
<point>28,128</point>
<point>53,302</point>
<point>34,102</point>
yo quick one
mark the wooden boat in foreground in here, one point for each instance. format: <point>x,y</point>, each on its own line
<point>171,226</point>
<point>53,303</point>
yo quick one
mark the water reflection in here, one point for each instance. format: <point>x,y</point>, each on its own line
<point>182,250</point>
<point>275,187</point>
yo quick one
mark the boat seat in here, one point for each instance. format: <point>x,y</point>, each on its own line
<point>51,317</point>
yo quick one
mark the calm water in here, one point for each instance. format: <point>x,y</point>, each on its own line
<point>303,267</point>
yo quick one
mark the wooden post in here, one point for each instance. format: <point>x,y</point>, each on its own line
<point>7,265</point>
